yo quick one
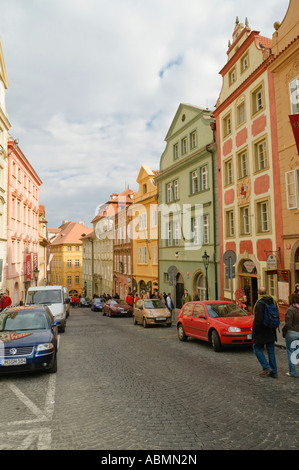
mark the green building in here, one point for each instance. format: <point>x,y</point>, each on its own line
<point>188,207</point>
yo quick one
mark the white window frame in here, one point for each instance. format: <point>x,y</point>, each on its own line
<point>292,188</point>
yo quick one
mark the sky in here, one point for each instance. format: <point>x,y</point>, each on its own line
<point>94,85</point>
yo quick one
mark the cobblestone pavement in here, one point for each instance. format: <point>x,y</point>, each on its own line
<point>122,387</point>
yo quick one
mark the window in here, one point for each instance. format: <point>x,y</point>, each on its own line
<point>194,182</point>
<point>230,224</point>
<point>195,230</point>
<point>241,113</point>
<point>69,263</point>
<point>232,76</point>
<point>69,248</point>
<point>257,99</point>
<point>69,280</point>
<point>242,164</point>
<point>292,187</point>
<point>227,125</point>
<point>176,151</point>
<point>260,155</point>
<point>244,63</point>
<point>176,232</point>
<point>244,220</point>
<point>144,188</point>
<point>263,223</point>
<point>228,172</point>
<point>77,279</point>
<point>176,190</point>
<point>204,178</point>
<point>294,95</point>
<point>184,145</point>
<point>139,255</point>
<point>193,140</point>
<point>169,192</point>
<point>77,263</point>
<point>168,234</point>
<point>206,229</point>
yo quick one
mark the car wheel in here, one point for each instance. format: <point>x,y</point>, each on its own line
<point>144,323</point>
<point>53,368</point>
<point>216,343</point>
<point>181,333</point>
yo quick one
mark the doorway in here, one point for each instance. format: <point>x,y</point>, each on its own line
<point>249,285</point>
<point>179,290</point>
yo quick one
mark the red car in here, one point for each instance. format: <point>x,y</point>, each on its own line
<point>119,308</point>
<point>218,322</point>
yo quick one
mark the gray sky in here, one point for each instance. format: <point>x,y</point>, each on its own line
<point>94,85</point>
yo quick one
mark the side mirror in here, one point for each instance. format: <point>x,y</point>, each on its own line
<point>201,315</point>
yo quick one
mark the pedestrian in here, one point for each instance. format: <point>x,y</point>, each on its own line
<point>186,297</point>
<point>195,297</point>
<point>5,301</point>
<point>296,288</point>
<point>290,332</point>
<point>73,301</point>
<point>129,299</point>
<point>264,336</point>
<point>169,303</point>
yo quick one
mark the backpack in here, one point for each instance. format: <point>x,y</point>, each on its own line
<point>271,316</point>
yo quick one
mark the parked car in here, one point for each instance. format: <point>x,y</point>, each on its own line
<point>97,304</point>
<point>54,298</point>
<point>84,302</point>
<point>28,338</point>
<point>219,323</point>
<point>151,312</point>
<point>115,307</point>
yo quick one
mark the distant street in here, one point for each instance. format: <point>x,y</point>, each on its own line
<point>123,387</point>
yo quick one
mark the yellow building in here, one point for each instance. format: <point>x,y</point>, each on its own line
<point>144,232</point>
<point>285,68</point>
<point>66,257</point>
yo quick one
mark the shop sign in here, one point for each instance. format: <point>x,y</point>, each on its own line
<point>249,266</point>
<point>272,262</point>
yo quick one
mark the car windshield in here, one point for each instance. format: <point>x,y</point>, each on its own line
<point>44,297</point>
<point>98,301</point>
<point>115,302</point>
<point>225,310</point>
<point>154,304</point>
<point>23,321</point>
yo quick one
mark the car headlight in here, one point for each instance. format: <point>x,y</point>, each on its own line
<point>44,347</point>
<point>234,329</point>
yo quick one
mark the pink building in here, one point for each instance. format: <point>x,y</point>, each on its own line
<point>22,223</point>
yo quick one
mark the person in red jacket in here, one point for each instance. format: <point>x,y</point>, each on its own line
<point>5,301</point>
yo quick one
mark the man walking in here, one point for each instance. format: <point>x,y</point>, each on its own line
<point>264,335</point>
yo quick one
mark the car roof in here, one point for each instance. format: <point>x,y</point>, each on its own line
<point>35,308</point>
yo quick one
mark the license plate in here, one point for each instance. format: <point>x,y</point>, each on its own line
<point>249,336</point>
<point>160,319</point>
<point>124,311</point>
<point>13,362</point>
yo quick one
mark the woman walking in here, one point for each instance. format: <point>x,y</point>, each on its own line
<point>290,332</point>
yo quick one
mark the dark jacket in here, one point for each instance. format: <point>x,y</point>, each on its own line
<point>262,334</point>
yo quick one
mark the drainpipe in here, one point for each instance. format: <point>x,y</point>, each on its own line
<point>212,144</point>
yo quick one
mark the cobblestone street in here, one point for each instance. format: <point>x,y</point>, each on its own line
<point>123,387</point>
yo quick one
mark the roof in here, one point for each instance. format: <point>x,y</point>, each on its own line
<point>70,233</point>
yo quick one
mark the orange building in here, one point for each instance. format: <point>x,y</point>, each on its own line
<point>285,69</point>
<point>248,170</point>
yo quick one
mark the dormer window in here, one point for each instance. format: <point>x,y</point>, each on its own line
<point>244,63</point>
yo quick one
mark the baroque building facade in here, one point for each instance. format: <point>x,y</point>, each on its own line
<point>188,207</point>
<point>248,166</point>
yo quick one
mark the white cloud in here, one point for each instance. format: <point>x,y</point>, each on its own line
<point>94,85</point>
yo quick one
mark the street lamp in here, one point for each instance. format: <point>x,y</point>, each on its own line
<point>206,259</point>
<point>35,275</point>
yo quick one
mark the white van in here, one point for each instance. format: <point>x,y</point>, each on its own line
<point>53,297</point>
